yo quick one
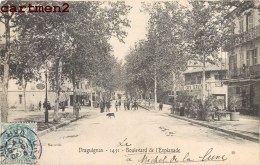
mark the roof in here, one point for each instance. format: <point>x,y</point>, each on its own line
<point>209,68</point>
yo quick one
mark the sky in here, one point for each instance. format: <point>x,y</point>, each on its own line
<point>137,31</point>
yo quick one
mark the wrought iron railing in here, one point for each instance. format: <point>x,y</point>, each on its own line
<point>246,72</point>
<point>248,36</point>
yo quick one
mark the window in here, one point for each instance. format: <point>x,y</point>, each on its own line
<point>241,23</point>
<point>249,21</point>
<point>231,63</point>
<point>193,79</point>
<point>254,54</point>
<point>199,78</point>
<point>251,57</point>
<point>20,99</point>
<point>248,57</point>
<point>241,58</point>
<point>77,84</point>
<point>187,79</point>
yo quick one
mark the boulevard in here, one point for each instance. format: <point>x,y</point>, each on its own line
<point>121,140</point>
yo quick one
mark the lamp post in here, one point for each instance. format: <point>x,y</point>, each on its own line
<point>46,98</point>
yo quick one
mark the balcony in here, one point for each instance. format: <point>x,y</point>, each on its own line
<point>248,72</point>
<point>250,35</point>
<point>193,87</point>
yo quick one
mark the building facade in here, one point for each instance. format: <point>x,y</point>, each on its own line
<point>35,92</point>
<point>244,62</point>
<point>214,85</point>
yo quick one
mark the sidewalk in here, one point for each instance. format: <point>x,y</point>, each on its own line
<point>39,117</point>
<point>247,127</point>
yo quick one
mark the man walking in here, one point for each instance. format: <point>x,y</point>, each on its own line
<point>160,106</point>
<point>108,105</point>
<point>77,108</point>
<point>102,106</point>
<point>119,104</point>
<point>125,104</point>
<point>116,105</point>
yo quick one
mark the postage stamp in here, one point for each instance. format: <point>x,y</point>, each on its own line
<point>20,143</point>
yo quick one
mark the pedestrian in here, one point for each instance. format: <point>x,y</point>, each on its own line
<point>62,105</point>
<point>102,106</point>
<point>108,105</point>
<point>173,109</point>
<point>135,105</point>
<point>116,105</point>
<point>128,104</point>
<point>78,105</point>
<point>181,109</point>
<point>125,104</point>
<point>160,106</point>
<point>131,104</point>
<point>119,104</point>
<point>77,108</point>
<point>40,105</point>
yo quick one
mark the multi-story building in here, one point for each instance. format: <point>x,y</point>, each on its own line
<point>244,62</point>
<point>214,85</point>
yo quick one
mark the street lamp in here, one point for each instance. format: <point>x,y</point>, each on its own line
<point>46,98</point>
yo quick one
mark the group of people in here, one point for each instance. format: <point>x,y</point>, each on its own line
<point>104,106</point>
<point>48,105</point>
<point>130,104</point>
<point>118,105</point>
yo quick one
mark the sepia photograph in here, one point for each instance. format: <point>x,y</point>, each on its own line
<point>130,82</point>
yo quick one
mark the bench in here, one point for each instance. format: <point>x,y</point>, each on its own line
<point>222,114</point>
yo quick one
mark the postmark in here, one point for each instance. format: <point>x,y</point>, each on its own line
<point>19,143</point>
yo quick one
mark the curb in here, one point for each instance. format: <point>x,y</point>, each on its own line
<point>53,128</point>
<point>250,138</point>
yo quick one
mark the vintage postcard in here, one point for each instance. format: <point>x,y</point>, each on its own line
<point>130,82</point>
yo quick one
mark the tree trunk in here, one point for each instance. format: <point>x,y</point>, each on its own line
<point>203,83</point>
<point>96,96</point>
<point>74,94</point>
<point>57,79</point>
<point>91,95</point>
<point>24,95</point>
<point>101,95</point>
<point>155,90</point>
<point>4,101</point>
<point>174,100</point>
<point>4,106</point>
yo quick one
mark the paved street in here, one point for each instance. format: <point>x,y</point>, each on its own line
<point>140,130</point>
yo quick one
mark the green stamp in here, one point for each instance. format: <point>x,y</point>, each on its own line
<point>19,143</point>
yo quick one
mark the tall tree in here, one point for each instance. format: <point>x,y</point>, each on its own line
<point>166,40</point>
<point>9,22</point>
